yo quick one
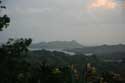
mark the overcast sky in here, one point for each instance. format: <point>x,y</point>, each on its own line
<point>90,22</point>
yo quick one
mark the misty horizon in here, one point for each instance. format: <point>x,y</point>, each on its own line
<point>79,43</point>
<point>89,22</point>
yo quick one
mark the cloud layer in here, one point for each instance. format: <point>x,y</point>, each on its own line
<point>107,4</point>
<point>48,20</point>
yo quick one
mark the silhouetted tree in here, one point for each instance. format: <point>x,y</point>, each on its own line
<point>12,66</point>
<point>4,19</point>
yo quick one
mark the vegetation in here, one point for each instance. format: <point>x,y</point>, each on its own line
<point>19,65</point>
<point>4,19</point>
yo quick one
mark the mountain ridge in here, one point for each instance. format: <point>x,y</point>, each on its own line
<point>100,50</point>
<point>57,45</point>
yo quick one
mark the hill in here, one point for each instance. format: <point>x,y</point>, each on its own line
<point>101,50</point>
<point>56,45</point>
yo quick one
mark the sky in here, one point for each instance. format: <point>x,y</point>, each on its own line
<point>90,22</point>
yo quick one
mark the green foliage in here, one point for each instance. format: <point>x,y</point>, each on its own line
<point>4,19</point>
<point>4,22</point>
<point>19,69</point>
<point>12,64</point>
<point>16,47</point>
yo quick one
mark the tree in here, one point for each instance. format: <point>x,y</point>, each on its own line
<point>4,19</point>
<point>12,62</point>
<point>15,47</point>
<point>90,73</point>
<point>13,66</point>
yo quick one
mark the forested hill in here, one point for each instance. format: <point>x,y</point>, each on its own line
<point>100,50</point>
<point>57,45</point>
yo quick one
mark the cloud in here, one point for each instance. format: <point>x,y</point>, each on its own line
<point>32,10</point>
<point>106,4</point>
<point>38,10</point>
<point>123,5</point>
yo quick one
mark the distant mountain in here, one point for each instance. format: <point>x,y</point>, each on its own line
<point>101,50</point>
<point>57,45</point>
